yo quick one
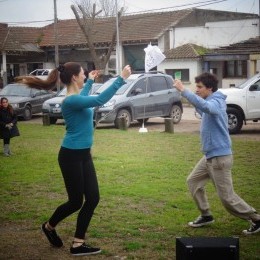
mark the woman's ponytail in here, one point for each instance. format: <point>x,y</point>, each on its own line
<point>34,82</point>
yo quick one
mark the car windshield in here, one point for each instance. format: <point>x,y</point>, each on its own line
<point>15,90</point>
<point>62,93</point>
<point>110,82</point>
<point>249,81</point>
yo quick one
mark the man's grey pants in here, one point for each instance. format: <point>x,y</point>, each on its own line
<point>218,169</point>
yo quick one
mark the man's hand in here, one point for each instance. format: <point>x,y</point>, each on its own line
<point>178,85</point>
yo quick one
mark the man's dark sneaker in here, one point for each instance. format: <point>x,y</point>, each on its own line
<point>201,221</point>
<point>254,228</point>
<point>52,236</point>
<point>84,250</point>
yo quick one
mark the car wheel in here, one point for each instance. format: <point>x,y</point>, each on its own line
<point>123,113</point>
<point>142,120</point>
<point>53,120</point>
<point>27,114</point>
<point>235,120</point>
<point>176,114</point>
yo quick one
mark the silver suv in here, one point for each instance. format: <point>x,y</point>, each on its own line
<point>142,97</point>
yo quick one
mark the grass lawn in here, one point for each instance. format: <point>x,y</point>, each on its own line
<point>145,203</point>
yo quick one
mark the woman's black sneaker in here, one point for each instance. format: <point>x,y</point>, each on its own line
<point>84,250</point>
<point>52,236</point>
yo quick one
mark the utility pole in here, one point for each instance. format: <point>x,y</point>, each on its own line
<point>56,40</point>
<point>118,66</point>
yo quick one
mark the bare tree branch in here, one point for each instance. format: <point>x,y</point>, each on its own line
<point>86,15</point>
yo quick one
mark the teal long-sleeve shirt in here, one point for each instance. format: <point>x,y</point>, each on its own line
<point>77,111</point>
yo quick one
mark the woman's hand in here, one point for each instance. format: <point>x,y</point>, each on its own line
<point>9,126</point>
<point>126,72</point>
<point>93,74</point>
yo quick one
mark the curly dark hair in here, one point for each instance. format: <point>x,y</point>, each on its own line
<point>209,80</point>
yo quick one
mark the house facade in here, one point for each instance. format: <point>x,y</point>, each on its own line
<point>181,35</point>
<point>210,31</point>
<point>236,62</point>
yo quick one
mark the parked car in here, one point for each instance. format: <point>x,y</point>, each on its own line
<point>52,107</point>
<point>243,103</point>
<point>25,101</point>
<point>142,97</point>
<point>41,73</point>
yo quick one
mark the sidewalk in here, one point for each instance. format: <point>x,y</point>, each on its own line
<point>189,113</point>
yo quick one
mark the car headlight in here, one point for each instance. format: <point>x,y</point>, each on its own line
<point>46,106</point>
<point>15,105</point>
<point>110,103</point>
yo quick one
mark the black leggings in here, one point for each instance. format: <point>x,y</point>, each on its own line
<point>6,140</point>
<point>80,180</point>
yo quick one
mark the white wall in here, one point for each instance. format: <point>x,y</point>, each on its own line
<point>216,34</point>
<point>228,83</point>
<point>213,35</point>
<point>48,65</point>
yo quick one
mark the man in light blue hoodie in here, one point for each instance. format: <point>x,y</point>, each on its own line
<point>217,161</point>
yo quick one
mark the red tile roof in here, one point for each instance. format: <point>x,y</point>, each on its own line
<point>141,28</point>
<point>250,46</point>
<point>136,28</point>
<point>186,51</point>
<point>19,39</point>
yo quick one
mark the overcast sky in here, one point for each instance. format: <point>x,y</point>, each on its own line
<point>37,12</point>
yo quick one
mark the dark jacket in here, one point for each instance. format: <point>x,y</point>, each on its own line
<point>5,118</point>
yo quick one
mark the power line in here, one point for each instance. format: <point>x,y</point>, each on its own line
<point>197,4</point>
<point>209,2</point>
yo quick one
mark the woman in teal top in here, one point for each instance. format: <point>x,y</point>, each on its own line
<point>74,156</point>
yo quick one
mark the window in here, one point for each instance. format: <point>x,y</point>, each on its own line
<point>235,68</point>
<point>143,84</point>
<point>185,73</point>
<point>158,83</point>
<point>256,86</point>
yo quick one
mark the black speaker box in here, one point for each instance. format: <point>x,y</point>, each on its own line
<point>207,248</point>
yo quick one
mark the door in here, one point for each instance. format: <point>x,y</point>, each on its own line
<point>253,100</point>
<point>162,94</point>
<point>142,102</point>
<point>38,97</point>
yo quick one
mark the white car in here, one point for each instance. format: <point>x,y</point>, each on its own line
<point>243,103</point>
<point>41,73</point>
